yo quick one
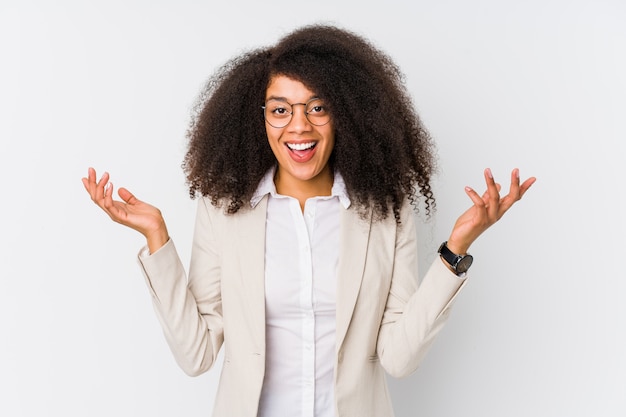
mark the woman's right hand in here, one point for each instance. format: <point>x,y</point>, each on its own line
<point>131,212</point>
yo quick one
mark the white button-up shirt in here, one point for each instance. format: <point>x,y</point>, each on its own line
<point>301,257</point>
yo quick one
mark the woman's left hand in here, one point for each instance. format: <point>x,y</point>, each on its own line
<point>486,211</point>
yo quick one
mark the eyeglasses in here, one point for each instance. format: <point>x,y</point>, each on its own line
<point>278,113</point>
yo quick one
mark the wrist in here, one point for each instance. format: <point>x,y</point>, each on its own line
<point>457,247</point>
<point>155,240</point>
<point>458,263</point>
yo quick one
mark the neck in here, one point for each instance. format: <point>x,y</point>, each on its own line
<point>320,185</point>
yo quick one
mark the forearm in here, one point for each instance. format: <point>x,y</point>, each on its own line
<point>410,325</point>
<point>194,338</point>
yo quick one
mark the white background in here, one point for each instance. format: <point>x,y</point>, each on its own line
<point>539,331</point>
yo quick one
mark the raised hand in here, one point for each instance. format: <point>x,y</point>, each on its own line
<point>130,212</point>
<point>486,211</point>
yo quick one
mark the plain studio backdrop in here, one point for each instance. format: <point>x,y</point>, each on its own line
<point>540,85</point>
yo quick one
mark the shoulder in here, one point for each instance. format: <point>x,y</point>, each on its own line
<point>217,216</point>
<point>406,216</point>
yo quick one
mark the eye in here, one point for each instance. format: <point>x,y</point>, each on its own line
<point>278,109</point>
<point>316,108</point>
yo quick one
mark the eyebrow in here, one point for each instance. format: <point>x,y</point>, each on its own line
<point>280,98</point>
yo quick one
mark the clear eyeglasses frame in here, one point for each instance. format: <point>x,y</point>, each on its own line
<point>278,113</point>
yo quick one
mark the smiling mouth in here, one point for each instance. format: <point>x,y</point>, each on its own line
<point>301,146</point>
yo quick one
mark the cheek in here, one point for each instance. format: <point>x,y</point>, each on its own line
<point>330,134</point>
<point>330,138</point>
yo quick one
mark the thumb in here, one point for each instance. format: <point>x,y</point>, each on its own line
<point>127,196</point>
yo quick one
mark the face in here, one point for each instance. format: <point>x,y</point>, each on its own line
<point>301,148</point>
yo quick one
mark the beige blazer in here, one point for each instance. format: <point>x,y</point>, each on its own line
<point>384,321</point>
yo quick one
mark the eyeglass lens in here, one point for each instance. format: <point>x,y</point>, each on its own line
<point>278,113</point>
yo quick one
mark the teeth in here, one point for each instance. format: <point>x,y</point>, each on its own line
<point>300,146</point>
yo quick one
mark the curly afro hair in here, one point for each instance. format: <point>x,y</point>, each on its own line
<point>382,150</point>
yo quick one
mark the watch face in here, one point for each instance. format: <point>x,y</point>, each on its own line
<point>464,264</point>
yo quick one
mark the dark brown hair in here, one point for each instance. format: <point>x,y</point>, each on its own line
<point>382,150</point>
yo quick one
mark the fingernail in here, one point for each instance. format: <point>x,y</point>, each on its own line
<point>489,174</point>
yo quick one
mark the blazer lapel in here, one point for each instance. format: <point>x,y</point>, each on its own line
<point>250,235</point>
<point>354,235</point>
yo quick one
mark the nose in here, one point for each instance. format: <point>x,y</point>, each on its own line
<point>299,121</point>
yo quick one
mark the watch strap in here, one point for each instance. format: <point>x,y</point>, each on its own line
<point>454,260</point>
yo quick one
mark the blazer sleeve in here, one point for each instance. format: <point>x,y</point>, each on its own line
<point>189,310</point>
<point>414,314</point>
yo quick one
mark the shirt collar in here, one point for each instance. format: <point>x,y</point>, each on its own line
<point>267,186</point>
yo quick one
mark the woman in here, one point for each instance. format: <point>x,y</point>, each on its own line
<point>304,260</point>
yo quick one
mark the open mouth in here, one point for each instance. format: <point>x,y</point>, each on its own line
<point>301,146</point>
<point>302,152</point>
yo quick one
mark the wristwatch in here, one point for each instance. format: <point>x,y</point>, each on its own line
<point>459,263</point>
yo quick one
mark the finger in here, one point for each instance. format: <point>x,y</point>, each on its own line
<point>485,195</point>
<point>476,199</point>
<point>526,185</point>
<point>514,190</point>
<point>91,174</point>
<point>105,190</point>
<point>107,196</point>
<point>99,191</point>
<point>492,187</point>
<point>514,194</point>
<point>127,196</point>
<point>89,182</point>
<point>493,191</point>
<point>113,208</point>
